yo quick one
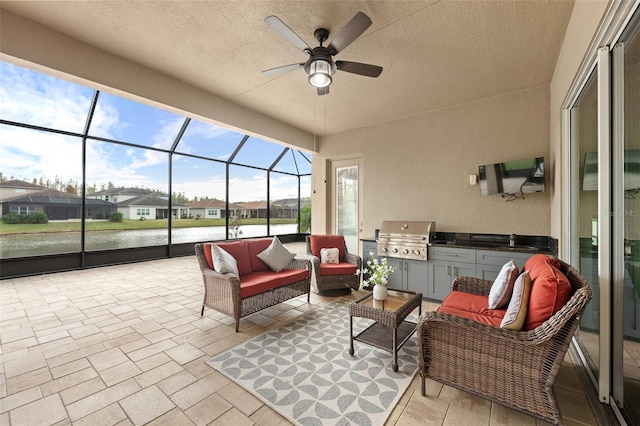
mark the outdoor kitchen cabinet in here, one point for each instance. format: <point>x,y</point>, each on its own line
<point>490,262</point>
<point>368,247</point>
<point>444,265</point>
<point>408,274</point>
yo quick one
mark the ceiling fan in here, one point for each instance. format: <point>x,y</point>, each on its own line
<point>320,65</point>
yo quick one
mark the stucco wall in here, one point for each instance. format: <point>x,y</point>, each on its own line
<point>418,168</point>
<point>584,22</point>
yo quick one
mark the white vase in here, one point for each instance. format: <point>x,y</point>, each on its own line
<point>380,292</point>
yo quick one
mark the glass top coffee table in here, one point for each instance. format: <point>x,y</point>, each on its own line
<point>390,330</point>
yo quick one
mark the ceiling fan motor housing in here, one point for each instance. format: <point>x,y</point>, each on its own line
<point>321,34</point>
<point>319,53</point>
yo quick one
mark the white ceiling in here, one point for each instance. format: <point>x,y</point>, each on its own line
<point>435,54</point>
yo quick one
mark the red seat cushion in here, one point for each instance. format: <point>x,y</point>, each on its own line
<point>240,251</point>
<point>318,242</point>
<point>290,276</point>
<point>550,290</point>
<point>471,306</point>
<point>257,246</point>
<point>259,282</point>
<point>342,268</point>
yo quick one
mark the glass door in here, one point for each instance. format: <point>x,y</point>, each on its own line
<point>605,227</point>
<point>626,222</point>
<point>584,117</point>
<point>346,201</point>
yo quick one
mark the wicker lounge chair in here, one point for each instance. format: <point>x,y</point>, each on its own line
<point>513,368</point>
<point>333,277</point>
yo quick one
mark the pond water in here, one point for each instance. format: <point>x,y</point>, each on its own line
<point>23,245</point>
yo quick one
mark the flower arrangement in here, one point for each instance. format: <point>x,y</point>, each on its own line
<point>378,271</point>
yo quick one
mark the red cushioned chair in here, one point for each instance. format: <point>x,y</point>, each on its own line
<point>516,369</point>
<point>332,278</point>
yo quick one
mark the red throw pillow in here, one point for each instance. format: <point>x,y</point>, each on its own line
<point>550,290</point>
<point>257,246</point>
<point>318,242</point>
<point>240,251</point>
<point>206,248</point>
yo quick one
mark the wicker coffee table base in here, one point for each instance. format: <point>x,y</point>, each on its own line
<point>389,331</point>
<point>385,337</point>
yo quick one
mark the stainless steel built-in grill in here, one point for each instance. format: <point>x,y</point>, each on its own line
<point>406,240</point>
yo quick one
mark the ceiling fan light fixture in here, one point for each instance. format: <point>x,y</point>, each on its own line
<point>320,73</point>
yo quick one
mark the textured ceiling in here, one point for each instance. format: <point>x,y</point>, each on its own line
<point>435,54</point>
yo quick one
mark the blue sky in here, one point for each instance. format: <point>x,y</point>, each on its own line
<point>34,98</point>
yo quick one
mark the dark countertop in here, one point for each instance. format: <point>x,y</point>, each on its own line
<point>496,242</point>
<point>494,247</point>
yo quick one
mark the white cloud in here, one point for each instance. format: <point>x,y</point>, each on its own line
<point>33,98</point>
<point>28,154</point>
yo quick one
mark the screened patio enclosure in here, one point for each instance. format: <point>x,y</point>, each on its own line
<point>165,181</point>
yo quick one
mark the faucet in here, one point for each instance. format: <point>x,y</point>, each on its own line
<point>512,240</point>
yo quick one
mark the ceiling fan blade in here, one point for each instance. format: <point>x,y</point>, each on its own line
<point>358,68</point>
<point>354,28</point>
<point>323,91</point>
<point>281,28</point>
<point>282,70</point>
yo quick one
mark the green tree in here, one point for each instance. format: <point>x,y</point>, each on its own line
<point>115,216</point>
<point>305,219</point>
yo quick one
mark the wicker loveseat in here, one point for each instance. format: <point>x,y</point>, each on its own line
<point>256,286</point>
<point>513,368</point>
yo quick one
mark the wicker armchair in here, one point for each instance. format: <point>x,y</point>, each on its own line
<point>333,277</point>
<point>513,368</point>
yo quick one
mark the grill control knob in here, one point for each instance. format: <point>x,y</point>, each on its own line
<point>405,251</point>
<point>384,249</point>
<point>395,250</point>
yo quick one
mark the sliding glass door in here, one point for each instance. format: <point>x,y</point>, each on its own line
<point>626,223</point>
<point>585,143</point>
<point>604,225</point>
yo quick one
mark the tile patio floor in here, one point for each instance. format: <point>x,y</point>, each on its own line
<point>125,344</point>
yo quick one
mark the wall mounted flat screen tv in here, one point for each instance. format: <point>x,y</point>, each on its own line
<point>631,170</point>
<point>513,177</point>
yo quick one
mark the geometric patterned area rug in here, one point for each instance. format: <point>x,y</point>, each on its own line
<point>303,370</point>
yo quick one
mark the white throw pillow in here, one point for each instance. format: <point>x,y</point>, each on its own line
<point>329,255</point>
<point>223,262</point>
<point>502,287</point>
<point>519,304</point>
<point>276,256</point>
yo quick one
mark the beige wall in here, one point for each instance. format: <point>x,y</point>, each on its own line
<point>584,22</point>
<point>418,168</point>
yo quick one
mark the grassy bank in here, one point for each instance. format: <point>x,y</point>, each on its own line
<point>127,225</point>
